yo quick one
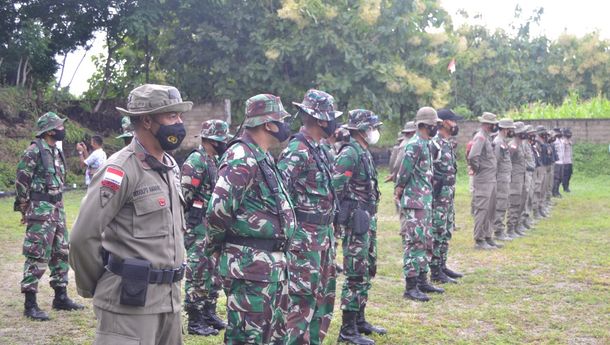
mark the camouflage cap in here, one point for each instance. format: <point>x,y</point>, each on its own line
<point>409,127</point>
<point>520,127</point>
<point>319,104</point>
<point>426,115</point>
<point>362,119</point>
<point>488,118</point>
<point>506,123</point>
<point>126,124</point>
<point>47,122</point>
<point>215,130</point>
<point>151,99</point>
<point>541,130</point>
<point>264,108</point>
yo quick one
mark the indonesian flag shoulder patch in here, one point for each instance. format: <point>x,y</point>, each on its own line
<point>113,177</point>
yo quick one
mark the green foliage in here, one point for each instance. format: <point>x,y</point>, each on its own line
<point>75,133</point>
<point>571,108</point>
<point>15,105</point>
<point>591,160</point>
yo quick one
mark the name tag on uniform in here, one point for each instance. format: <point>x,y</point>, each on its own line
<point>198,204</point>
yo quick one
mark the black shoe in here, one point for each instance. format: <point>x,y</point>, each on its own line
<point>338,268</point>
<point>493,244</point>
<point>483,245</point>
<point>63,302</point>
<point>197,324</point>
<point>439,276</point>
<point>424,286</point>
<point>567,190</point>
<point>31,309</point>
<point>451,273</point>
<point>365,327</point>
<point>412,292</point>
<point>349,332</point>
<point>211,318</point>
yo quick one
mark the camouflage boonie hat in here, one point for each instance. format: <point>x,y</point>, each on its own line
<point>427,115</point>
<point>215,130</point>
<point>541,130</point>
<point>506,123</point>
<point>319,104</point>
<point>47,122</point>
<point>151,99</point>
<point>362,119</point>
<point>520,127</point>
<point>264,108</point>
<point>127,128</point>
<point>488,118</point>
<point>409,127</point>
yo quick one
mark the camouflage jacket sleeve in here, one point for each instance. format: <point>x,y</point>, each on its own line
<point>235,176</point>
<point>290,164</point>
<point>411,156</point>
<point>192,176</point>
<point>343,169</point>
<point>25,172</point>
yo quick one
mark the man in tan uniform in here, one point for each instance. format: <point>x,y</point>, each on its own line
<point>128,251</point>
<point>483,163</point>
<point>502,152</point>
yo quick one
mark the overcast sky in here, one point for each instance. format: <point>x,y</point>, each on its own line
<point>574,17</point>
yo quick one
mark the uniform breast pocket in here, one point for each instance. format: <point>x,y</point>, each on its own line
<point>151,217</point>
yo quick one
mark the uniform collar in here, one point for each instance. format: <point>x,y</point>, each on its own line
<point>308,137</point>
<point>147,161</point>
<point>259,154</point>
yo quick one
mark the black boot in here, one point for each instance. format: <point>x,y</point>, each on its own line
<point>367,328</point>
<point>63,302</point>
<point>31,308</point>
<point>413,292</point>
<point>212,318</point>
<point>197,324</point>
<point>349,332</point>
<point>439,276</point>
<point>424,286</point>
<point>449,272</point>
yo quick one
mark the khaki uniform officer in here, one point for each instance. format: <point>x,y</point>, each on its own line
<point>128,246</point>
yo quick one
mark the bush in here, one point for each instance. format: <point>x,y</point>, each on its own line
<point>571,108</point>
<point>591,160</point>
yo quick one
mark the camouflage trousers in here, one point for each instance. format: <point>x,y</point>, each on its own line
<point>202,281</point>
<point>256,312</point>
<point>443,223</point>
<point>45,244</point>
<point>312,286</point>
<point>417,240</point>
<point>359,266</point>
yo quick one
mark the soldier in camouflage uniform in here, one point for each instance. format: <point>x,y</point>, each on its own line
<point>517,180</point>
<point>251,223</point>
<point>305,166</point>
<point>503,174</point>
<point>355,181</point>
<point>443,193</point>
<point>127,129</point>
<point>414,191</point>
<point>41,175</point>
<point>198,177</point>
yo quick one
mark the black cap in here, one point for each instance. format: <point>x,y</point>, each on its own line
<point>446,114</point>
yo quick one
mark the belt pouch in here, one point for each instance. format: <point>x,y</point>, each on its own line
<point>134,282</point>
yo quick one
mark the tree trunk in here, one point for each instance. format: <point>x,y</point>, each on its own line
<point>77,67</point>
<point>61,75</point>
<point>19,72</point>
<point>106,77</point>
<point>26,70</point>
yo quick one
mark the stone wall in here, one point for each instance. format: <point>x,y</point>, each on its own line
<point>202,112</point>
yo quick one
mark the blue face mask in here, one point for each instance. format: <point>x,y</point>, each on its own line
<point>283,132</point>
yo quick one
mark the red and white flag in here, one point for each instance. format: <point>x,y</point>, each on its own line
<point>113,177</point>
<point>451,66</point>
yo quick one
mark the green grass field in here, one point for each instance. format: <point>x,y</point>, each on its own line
<point>552,287</point>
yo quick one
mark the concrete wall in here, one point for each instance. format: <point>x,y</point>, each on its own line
<point>200,113</point>
<point>595,131</point>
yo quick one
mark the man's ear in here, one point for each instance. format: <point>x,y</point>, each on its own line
<point>146,121</point>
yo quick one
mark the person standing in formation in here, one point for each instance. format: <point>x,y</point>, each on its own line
<point>502,151</point>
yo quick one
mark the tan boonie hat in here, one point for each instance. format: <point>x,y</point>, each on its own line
<point>264,108</point>
<point>488,118</point>
<point>151,99</point>
<point>506,123</point>
<point>520,127</point>
<point>426,115</point>
<point>530,129</point>
<point>409,127</point>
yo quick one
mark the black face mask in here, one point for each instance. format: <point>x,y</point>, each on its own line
<point>432,130</point>
<point>330,128</point>
<point>59,135</point>
<point>221,148</point>
<point>283,133</point>
<point>495,128</point>
<point>510,134</point>
<point>454,131</point>
<point>523,136</point>
<point>170,136</point>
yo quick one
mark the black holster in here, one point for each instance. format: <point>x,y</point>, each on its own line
<point>195,217</point>
<point>360,222</point>
<point>345,211</point>
<point>135,276</point>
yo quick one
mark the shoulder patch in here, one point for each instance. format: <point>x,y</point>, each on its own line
<point>113,177</point>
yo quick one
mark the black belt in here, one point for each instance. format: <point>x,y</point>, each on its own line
<point>34,196</point>
<point>266,244</point>
<point>115,265</point>
<point>314,218</point>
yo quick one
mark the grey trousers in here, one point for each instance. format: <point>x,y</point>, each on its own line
<point>484,209</point>
<point>502,193</point>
